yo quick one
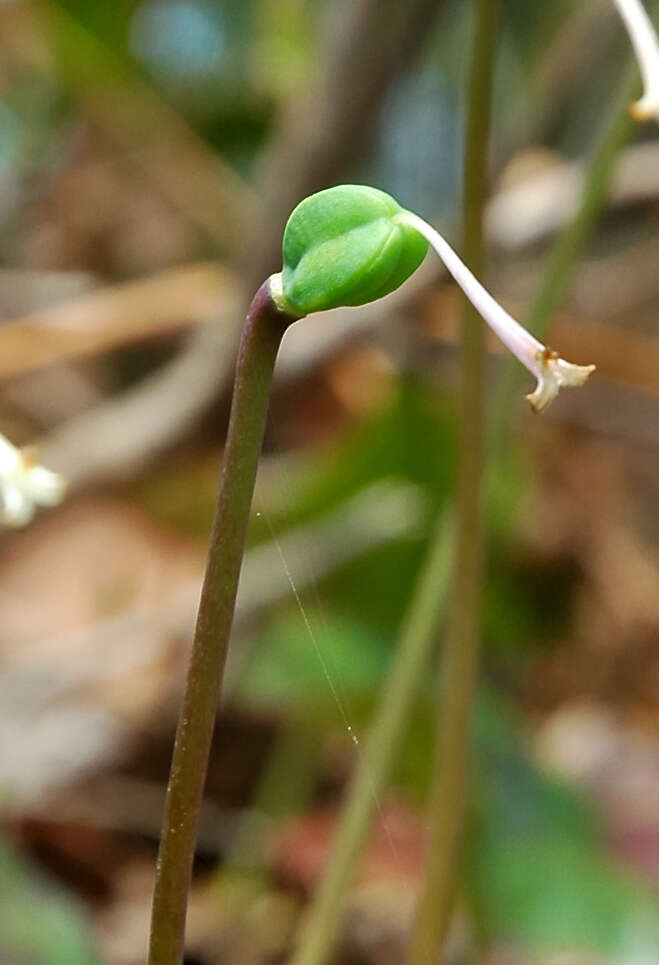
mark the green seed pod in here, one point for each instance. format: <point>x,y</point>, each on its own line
<point>344,246</point>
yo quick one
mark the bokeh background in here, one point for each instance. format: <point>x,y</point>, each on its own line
<point>150,151</point>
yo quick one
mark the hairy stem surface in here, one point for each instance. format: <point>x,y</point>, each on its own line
<point>262,333</point>
<point>460,659</point>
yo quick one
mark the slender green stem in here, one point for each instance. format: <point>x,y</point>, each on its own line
<point>448,796</point>
<point>569,245</point>
<point>418,633</point>
<point>262,333</point>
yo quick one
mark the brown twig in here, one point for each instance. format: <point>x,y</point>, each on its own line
<point>116,316</point>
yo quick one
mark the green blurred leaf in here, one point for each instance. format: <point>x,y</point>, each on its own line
<point>411,438</point>
<point>38,924</point>
<point>288,669</point>
<point>537,871</point>
<point>551,892</point>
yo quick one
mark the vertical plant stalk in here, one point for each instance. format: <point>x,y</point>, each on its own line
<point>322,926</point>
<point>568,247</point>
<point>460,659</point>
<point>262,334</point>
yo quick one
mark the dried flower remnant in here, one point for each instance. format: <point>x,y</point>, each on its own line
<point>24,484</point>
<point>552,372</point>
<point>646,47</point>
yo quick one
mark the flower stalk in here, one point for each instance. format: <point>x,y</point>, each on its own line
<point>263,330</point>
<point>646,47</point>
<point>616,130</point>
<point>460,653</point>
<point>551,372</point>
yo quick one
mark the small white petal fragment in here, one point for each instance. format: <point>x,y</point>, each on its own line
<point>646,47</point>
<point>555,373</point>
<point>24,485</point>
<point>551,371</point>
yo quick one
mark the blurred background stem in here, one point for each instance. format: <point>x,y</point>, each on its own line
<point>460,661</point>
<point>567,249</point>
<point>262,333</point>
<point>322,926</point>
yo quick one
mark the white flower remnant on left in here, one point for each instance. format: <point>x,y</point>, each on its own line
<point>24,484</point>
<point>646,47</point>
<point>552,372</point>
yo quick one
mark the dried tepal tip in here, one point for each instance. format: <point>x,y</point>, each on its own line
<point>646,47</point>
<point>554,373</point>
<point>24,485</point>
<point>343,246</point>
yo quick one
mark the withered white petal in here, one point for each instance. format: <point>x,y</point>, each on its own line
<point>17,510</point>
<point>44,487</point>
<point>554,374</point>
<point>24,485</point>
<point>551,371</point>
